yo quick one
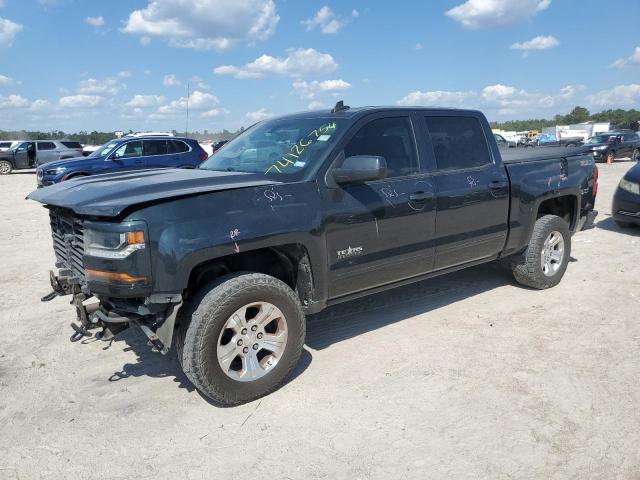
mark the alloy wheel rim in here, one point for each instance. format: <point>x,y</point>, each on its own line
<point>552,253</point>
<point>252,341</point>
<point>4,167</point>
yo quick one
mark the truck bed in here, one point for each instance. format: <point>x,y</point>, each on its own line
<point>532,154</point>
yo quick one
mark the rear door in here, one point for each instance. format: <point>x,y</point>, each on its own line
<point>155,153</point>
<point>472,191</point>
<point>46,152</point>
<point>379,232</point>
<point>629,141</point>
<point>178,152</point>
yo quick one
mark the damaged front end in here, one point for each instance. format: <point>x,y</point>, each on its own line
<point>109,262</point>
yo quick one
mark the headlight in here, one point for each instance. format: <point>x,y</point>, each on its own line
<point>56,171</point>
<point>630,186</point>
<point>104,244</point>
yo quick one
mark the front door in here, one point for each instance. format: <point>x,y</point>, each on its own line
<point>472,192</point>
<point>25,155</point>
<point>126,157</point>
<point>380,232</point>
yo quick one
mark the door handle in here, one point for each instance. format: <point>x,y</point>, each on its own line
<point>420,196</point>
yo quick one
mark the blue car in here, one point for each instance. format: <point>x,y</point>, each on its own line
<point>128,153</point>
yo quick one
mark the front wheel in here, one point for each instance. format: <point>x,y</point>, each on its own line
<point>6,167</point>
<point>241,336</point>
<point>543,263</point>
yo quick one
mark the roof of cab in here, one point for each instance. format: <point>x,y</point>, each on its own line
<point>355,112</point>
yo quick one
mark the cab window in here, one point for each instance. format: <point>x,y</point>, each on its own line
<point>458,142</point>
<point>391,138</point>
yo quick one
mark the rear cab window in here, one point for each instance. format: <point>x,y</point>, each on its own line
<point>177,146</point>
<point>46,146</point>
<point>458,142</point>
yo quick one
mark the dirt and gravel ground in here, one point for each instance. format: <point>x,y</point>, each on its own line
<point>462,377</point>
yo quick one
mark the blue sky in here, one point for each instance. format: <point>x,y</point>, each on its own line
<point>125,64</point>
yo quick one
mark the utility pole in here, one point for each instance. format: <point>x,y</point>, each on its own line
<point>186,130</point>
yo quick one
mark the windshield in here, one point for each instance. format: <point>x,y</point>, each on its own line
<point>278,148</point>
<point>103,149</point>
<point>599,139</point>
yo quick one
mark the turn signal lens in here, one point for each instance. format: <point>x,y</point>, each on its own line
<point>117,277</point>
<point>135,238</point>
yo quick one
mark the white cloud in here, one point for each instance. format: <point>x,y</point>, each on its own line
<point>80,101</point>
<point>108,86</point>
<point>205,24</point>
<point>492,13</point>
<point>258,115</point>
<point>6,81</point>
<point>124,74</point>
<point>171,81</point>
<point>326,20</point>
<point>8,31</point>
<point>502,99</point>
<point>537,43</point>
<point>297,63</point>
<point>214,112</point>
<point>441,98</point>
<point>418,46</point>
<point>309,90</point>
<point>623,62</point>
<point>198,83</point>
<point>197,101</point>
<point>13,101</point>
<point>40,104</point>
<point>355,13</point>
<point>621,96</point>
<point>95,21</point>
<point>145,101</point>
<point>315,105</point>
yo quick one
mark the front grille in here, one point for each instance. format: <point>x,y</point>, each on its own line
<point>68,243</point>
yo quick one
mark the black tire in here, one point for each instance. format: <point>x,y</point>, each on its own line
<point>6,167</point>
<point>527,267</point>
<point>635,156</point>
<point>202,319</point>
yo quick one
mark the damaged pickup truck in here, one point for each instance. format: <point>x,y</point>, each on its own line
<point>299,213</point>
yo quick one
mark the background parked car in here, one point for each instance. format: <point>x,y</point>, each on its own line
<point>551,140</point>
<point>6,145</point>
<point>626,201</point>
<point>30,154</point>
<point>611,145</point>
<point>127,153</point>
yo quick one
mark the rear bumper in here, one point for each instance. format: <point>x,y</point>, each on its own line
<point>586,221</point>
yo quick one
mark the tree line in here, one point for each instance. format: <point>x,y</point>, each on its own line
<point>98,138</point>
<point>619,118</point>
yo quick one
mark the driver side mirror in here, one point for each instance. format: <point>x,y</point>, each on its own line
<point>360,169</point>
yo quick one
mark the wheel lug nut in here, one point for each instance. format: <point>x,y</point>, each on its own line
<point>245,350</point>
<point>240,342</point>
<point>254,328</point>
<point>244,331</point>
<point>255,346</point>
<point>259,335</point>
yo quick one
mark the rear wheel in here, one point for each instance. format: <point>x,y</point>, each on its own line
<point>6,167</point>
<point>240,337</point>
<point>543,263</point>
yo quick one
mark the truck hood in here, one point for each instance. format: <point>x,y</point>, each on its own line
<point>109,194</point>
